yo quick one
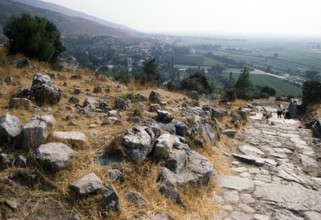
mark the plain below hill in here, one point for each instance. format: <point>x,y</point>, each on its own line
<point>69,25</point>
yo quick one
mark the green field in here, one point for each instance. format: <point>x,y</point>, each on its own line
<point>281,87</point>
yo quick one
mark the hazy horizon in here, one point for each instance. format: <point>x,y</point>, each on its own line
<point>273,17</point>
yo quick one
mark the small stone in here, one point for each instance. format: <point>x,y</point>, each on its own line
<point>74,100</point>
<point>136,198</point>
<point>12,203</point>
<point>113,113</point>
<point>110,201</point>
<point>87,184</point>
<point>77,91</point>
<point>170,191</point>
<point>98,89</point>
<point>75,217</point>
<point>115,175</point>
<point>20,161</point>
<point>230,133</point>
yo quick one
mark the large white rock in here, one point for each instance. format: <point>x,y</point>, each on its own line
<point>137,144</point>
<point>10,128</point>
<point>37,130</point>
<point>54,155</point>
<point>164,145</point>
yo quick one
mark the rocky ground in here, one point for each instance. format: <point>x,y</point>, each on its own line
<point>277,167</point>
<point>74,145</point>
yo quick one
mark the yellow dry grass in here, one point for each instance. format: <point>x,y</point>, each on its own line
<point>143,179</point>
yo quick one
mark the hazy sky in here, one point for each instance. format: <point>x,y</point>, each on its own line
<point>210,16</point>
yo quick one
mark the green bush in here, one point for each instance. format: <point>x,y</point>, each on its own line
<point>33,36</point>
<point>131,96</point>
<point>198,82</point>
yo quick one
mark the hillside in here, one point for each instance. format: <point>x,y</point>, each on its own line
<point>73,13</point>
<point>109,119</point>
<point>68,25</point>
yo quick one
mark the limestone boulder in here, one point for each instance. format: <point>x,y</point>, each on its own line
<point>199,165</point>
<point>123,104</point>
<point>155,97</point>
<point>20,103</point>
<point>164,116</point>
<point>72,136</point>
<point>176,161</point>
<point>170,191</point>
<point>88,184</point>
<point>90,102</point>
<point>37,130</point>
<point>54,156</point>
<point>137,144</point>
<point>10,128</point>
<point>44,90</point>
<point>137,199</point>
<point>164,146</point>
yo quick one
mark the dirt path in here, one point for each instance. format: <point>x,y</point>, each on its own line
<point>276,173</point>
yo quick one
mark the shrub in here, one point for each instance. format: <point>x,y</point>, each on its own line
<point>131,96</point>
<point>198,82</point>
<point>243,85</point>
<point>35,37</point>
<point>268,90</point>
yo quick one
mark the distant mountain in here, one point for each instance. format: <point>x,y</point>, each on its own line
<point>73,13</point>
<point>68,25</point>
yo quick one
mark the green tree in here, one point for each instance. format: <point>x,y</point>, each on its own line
<point>198,82</point>
<point>268,90</point>
<point>33,36</point>
<point>151,72</point>
<point>243,85</point>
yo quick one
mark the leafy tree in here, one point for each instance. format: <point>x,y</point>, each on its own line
<point>33,36</point>
<point>268,90</point>
<point>151,73</point>
<point>243,84</point>
<point>198,82</point>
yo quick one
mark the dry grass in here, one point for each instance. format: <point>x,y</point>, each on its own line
<point>143,179</point>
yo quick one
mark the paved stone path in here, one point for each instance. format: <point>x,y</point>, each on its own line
<point>276,173</point>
